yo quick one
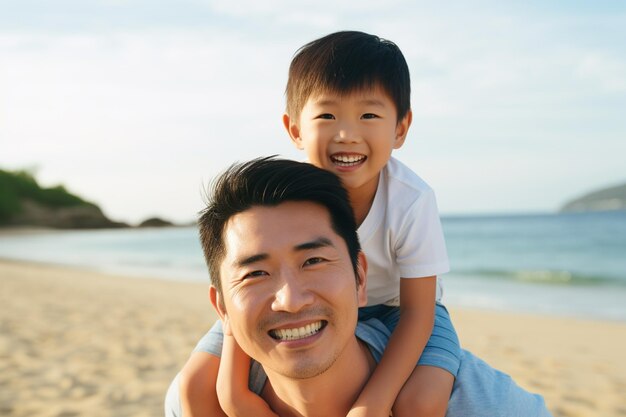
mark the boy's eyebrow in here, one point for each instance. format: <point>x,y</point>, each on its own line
<point>366,101</point>
<point>326,102</point>
<point>372,102</point>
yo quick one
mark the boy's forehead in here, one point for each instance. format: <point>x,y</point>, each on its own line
<point>365,93</point>
<point>357,91</point>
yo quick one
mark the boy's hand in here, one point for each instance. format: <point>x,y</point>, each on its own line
<point>364,412</point>
<point>233,374</point>
<point>232,384</point>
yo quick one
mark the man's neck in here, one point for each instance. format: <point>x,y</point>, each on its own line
<point>330,394</point>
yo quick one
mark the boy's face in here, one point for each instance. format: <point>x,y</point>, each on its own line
<point>350,135</point>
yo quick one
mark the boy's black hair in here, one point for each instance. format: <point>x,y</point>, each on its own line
<point>270,181</point>
<point>343,62</point>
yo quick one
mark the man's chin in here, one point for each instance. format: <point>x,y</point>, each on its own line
<point>303,367</point>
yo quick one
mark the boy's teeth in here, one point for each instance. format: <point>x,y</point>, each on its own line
<point>348,159</point>
<point>297,333</point>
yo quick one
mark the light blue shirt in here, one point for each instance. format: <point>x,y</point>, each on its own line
<point>478,391</point>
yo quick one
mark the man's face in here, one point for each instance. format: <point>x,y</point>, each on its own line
<point>289,291</point>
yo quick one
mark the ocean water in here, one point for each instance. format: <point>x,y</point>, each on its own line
<point>169,253</point>
<point>561,264</point>
<point>564,264</point>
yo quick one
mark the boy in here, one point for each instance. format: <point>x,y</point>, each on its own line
<point>348,107</point>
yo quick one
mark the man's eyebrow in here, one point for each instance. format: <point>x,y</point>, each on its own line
<point>320,242</point>
<point>251,259</point>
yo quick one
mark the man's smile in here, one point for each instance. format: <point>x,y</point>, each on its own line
<point>298,332</point>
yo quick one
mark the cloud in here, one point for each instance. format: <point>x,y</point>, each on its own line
<point>101,113</point>
<point>162,104</point>
<point>603,71</point>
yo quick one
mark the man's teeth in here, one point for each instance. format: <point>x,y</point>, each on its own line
<point>298,333</point>
<point>347,160</point>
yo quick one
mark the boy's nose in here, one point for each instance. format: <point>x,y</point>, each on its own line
<point>292,295</point>
<point>347,134</point>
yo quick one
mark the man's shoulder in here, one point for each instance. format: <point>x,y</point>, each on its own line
<point>375,335</point>
<point>480,389</point>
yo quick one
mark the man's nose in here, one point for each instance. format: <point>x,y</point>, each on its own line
<point>293,293</point>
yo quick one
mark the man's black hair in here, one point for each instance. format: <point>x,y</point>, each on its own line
<point>270,181</point>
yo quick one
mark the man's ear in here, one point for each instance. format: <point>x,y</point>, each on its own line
<point>361,285</point>
<point>218,305</point>
<point>402,129</point>
<point>293,130</point>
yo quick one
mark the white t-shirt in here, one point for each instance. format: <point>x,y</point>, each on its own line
<point>401,235</point>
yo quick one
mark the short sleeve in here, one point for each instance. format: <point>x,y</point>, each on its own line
<point>420,245</point>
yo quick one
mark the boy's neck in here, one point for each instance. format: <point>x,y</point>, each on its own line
<point>362,199</point>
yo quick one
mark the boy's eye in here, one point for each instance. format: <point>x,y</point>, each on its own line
<point>369,116</point>
<point>326,116</point>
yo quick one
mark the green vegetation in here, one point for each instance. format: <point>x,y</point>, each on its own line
<point>21,185</point>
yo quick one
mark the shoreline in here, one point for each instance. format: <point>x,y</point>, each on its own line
<point>588,281</point>
<point>452,300</point>
<point>79,342</point>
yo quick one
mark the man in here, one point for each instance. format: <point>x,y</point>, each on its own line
<point>287,279</point>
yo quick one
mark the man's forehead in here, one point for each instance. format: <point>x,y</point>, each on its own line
<point>282,227</point>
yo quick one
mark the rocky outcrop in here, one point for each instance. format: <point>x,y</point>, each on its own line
<point>607,199</point>
<point>86,216</point>
<point>155,222</point>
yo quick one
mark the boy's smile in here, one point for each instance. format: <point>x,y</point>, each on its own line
<point>347,160</point>
<point>351,135</point>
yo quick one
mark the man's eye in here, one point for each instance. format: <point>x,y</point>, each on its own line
<point>314,261</point>
<point>255,274</point>
<point>370,116</point>
<point>326,116</point>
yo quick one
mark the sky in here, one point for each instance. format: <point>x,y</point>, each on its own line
<point>519,106</point>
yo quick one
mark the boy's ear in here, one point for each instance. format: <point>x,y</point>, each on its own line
<point>402,129</point>
<point>293,130</point>
<point>218,305</point>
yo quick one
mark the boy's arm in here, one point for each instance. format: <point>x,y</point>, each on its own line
<point>234,395</point>
<point>417,312</point>
<point>197,386</point>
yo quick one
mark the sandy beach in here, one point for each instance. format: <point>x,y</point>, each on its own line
<point>80,343</point>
